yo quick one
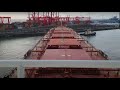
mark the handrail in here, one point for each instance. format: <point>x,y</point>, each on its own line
<point>21,64</point>
<point>62,63</point>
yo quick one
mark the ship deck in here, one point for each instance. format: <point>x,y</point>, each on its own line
<point>63,43</point>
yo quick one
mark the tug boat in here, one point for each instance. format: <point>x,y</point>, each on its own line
<point>88,33</point>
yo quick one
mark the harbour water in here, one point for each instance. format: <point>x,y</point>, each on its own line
<point>108,41</point>
<point>15,48</point>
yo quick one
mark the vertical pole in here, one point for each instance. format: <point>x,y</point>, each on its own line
<point>48,14</point>
<point>58,17</point>
<point>8,23</point>
<point>48,19</point>
<point>38,14</point>
<point>38,18</point>
<point>53,14</point>
<point>56,14</point>
<point>29,15</point>
<point>43,14</point>
<point>20,72</point>
<point>53,17</point>
<point>28,19</point>
<point>61,21</point>
<point>43,19</point>
<point>119,20</point>
<point>2,19</point>
<point>8,20</point>
<point>33,16</point>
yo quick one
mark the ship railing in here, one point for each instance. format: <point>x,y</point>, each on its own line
<point>42,39</point>
<point>40,42</point>
<point>101,52</point>
<point>20,65</point>
<point>29,51</point>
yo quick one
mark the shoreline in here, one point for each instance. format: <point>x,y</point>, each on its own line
<point>42,31</point>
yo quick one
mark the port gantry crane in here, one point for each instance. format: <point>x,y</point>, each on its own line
<point>49,18</point>
<point>2,20</point>
<point>5,21</point>
<point>46,18</point>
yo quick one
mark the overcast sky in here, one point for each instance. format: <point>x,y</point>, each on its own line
<point>93,15</point>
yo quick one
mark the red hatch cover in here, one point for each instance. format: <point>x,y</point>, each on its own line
<point>63,42</point>
<point>62,35</point>
<point>65,54</point>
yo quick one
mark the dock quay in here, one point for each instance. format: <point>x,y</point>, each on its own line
<point>41,31</point>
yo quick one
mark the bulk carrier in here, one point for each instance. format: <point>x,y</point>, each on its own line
<point>59,43</point>
<point>63,43</point>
